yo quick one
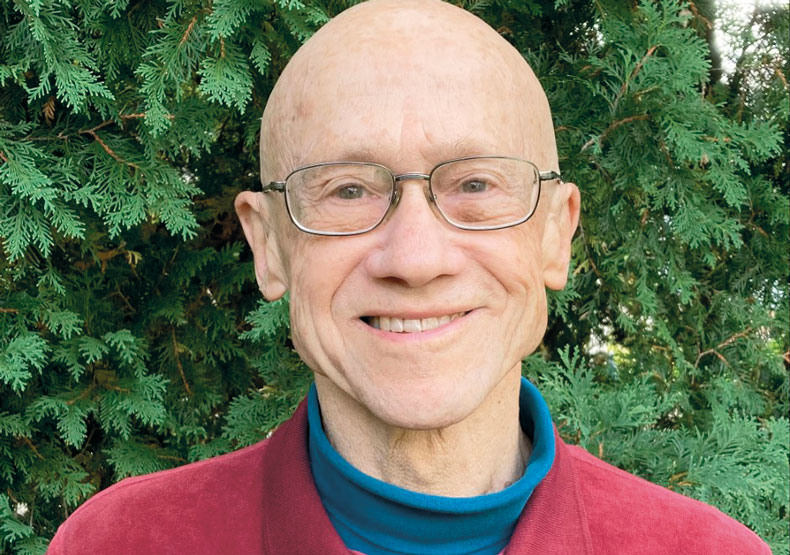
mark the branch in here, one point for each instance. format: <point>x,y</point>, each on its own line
<point>715,350</point>
<point>107,149</point>
<point>83,394</point>
<point>189,30</point>
<point>636,70</point>
<point>9,310</point>
<point>178,364</point>
<point>124,298</point>
<point>92,130</point>
<point>11,495</point>
<point>614,125</point>
<point>26,441</point>
<point>699,16</point>
<point>778,71</point>
<point>171,458</point>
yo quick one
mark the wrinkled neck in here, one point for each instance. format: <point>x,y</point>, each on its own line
<point>483,453</point>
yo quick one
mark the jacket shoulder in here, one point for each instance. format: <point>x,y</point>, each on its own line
<point>627,514</point>
<point>172,511</point>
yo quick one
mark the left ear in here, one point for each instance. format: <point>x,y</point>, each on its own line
<point>558,230</point>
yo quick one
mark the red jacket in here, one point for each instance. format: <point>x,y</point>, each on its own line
<point>261,499</point>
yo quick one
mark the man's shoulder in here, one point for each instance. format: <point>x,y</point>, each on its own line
<point>165,512</point>
<point>641,517</point>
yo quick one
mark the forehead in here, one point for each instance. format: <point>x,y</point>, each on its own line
<point>391,127</point>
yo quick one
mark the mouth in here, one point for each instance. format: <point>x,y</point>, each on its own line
<point>410,325</point>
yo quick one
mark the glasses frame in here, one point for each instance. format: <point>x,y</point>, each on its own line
<point>280,187</point>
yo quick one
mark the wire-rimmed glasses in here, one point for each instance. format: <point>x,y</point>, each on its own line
<point>473,193</point>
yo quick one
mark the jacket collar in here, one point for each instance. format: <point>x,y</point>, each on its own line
<point>295,522</point>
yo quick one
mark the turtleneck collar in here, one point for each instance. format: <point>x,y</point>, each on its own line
<point>374,517</point>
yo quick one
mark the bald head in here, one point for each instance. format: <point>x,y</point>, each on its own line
<point>388,71</point>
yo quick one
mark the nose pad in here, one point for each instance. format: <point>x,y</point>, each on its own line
<point>398,194</point>
<point>426,191</point>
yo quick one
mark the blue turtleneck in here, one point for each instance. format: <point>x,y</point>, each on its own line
<point>375,517</point>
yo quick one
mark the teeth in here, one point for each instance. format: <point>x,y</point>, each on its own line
<point>399,325</point>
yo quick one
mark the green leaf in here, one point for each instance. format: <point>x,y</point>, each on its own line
<point>226,78</point>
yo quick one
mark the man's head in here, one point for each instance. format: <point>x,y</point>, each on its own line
<point>410,84</point>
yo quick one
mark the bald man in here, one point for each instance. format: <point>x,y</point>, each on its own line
<point>412,205</point>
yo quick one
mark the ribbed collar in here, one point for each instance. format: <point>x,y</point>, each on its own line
<point>375,517</point>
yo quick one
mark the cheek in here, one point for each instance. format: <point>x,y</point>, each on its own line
<point>518,269</point>
<point>518,265</point>
<point>308,282</point>
<point>320,270</point>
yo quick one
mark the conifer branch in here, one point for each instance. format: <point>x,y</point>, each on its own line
<point>178,363</point>
<point>49,110</point>
<point>11,495</point>
<point>105,123</point>
<point>697,15</point>
<point>142,115</point>
<point>26,441</point>
<point>676,479</point>
<point>189,30</point>
<point>83,394</point>
<point>124,298</point>
<point>780,74</point>
<point>107,149</point>
<point>9,310</point>
<point>612,127</point>
<point>3,158</point>
<point>171,458</point>
<point>119,389</point>
<point>635,71</point>
<point>715,350</point>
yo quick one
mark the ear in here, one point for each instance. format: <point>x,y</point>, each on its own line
<point>560,225</point>
<point>260,230</point>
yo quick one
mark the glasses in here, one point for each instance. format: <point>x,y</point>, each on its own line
<point>474,193</point>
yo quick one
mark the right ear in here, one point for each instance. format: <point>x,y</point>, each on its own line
<point>260,230</point>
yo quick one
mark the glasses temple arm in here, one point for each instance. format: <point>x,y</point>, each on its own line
<point>276,186</point>
<point>549,175</point>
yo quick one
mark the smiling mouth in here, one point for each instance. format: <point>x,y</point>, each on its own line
<point>408,325</point>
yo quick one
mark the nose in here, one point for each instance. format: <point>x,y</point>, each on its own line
<point>415,245</point>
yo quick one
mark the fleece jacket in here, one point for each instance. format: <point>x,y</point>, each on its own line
<point>262,500</point>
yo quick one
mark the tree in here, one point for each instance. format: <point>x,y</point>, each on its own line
<point>131,334</point>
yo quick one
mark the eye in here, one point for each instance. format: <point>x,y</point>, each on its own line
<point>474,186</point>
<point>350,192</point>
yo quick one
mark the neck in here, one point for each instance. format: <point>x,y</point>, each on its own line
<point>483,453</point>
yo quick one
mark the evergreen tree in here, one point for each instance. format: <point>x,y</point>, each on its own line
<point>131,334</point>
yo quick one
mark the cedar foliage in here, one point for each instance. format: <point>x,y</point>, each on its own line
<point>131,334</point>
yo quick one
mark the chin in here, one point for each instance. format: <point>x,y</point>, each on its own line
<point>428,406</point>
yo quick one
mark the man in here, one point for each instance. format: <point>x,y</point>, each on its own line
<point>413,208</point>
